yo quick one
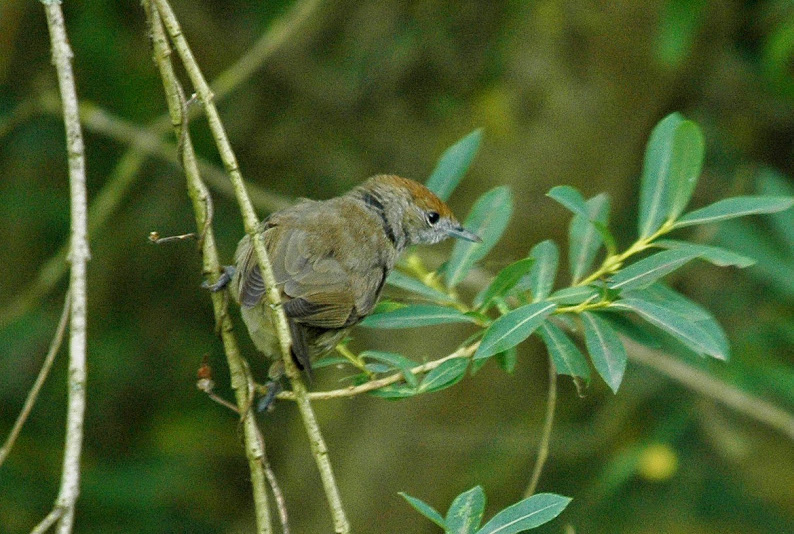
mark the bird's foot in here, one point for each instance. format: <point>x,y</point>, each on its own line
<point>223,280</point>
<point>267,402</point>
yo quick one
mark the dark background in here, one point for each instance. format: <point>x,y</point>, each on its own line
<point>567,93</point>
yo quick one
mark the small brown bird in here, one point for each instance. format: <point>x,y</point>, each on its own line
<point>331,259</point>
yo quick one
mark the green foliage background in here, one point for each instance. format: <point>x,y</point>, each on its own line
<point>567,93</point>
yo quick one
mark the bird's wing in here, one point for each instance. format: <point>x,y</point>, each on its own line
<point>317,286</point>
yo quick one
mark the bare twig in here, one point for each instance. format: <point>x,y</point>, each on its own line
<point>372,385</point>
<point>703,383</point>
<point>251,223</point>
<point>198,194</point>
<point>79,255</point>
<point>545,439</point>
<point>125,173</point>
<point>33,394</point>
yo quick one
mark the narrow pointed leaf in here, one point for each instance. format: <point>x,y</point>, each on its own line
<point>717,255</point>
<point>504,281</point>
<point>655,184</point>
<point>682,328</point>
<point>731,208</point>
<point>624,326</point>
<point>488,219</point>
<point>465,513</point>
<point>605,348</point>
<point>671,299</point>
<point>571,296</point>
<point>648,270</point>
<point>571,198</point>
<point>416,315</point>
<point>513,328</point>
<point>506,360</point>
<point>585,238</point>
<point>453,164</point>
<point>567,358</point>
<point>425,509</point>
<point>395,361</point>
<point>540,280</point>
<point>686,165</point>
<point>409,283</point>
<point>395,391</point>
<point>527,514</point>
<point>771,182</point>
<point>445,375</point>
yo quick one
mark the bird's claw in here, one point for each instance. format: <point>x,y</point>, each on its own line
<point>223,280</point>
<point>267,402</point>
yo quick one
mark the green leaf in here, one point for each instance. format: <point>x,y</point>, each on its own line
<point>666,297</point>
<point>453,164</point>
<point>648,270</point>
<point>585,238</point>
<point>623,325</point>
<point>605,348</point>
<point>571,198</point>
<point>540,280</point>
<point>684,329</point>
<point>504,282</point>
<point>395,391</point>
<point>685,167</point>
<point>506,360</point>
<point>425,509</point>
<point>655,184</point>
<point>513,328</point>
<point>716,255</point>
<point>526,514</point>
<point>465,512</point>
<point>572,296</point>
<point>734,207</point>
<point>773,183</point>
<point>416,315</point>
<point>445,375</point>
<point>395,361</point>
<point>567,358</point>
<point>773,267</point>
<point>488,219</point>
<point>409,283</point>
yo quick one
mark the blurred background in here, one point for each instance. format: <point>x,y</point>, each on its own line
<point>567,93</point>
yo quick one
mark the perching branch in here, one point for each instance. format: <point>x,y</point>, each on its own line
<point>351,391</point>
<point>251,223</point>
<point>79,255</point>
<point>211,266</point>
<point>124,175</point>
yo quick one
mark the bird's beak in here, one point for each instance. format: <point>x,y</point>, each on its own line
<point>461,233</point>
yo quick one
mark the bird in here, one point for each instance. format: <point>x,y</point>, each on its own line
<point>331,259</point>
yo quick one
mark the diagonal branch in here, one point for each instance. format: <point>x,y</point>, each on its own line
<point>251,223</point>
<point>199,196</point>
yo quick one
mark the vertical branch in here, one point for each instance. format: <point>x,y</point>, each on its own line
<point>199,195</point>
<point>251,222</point>
<point>78,257</point>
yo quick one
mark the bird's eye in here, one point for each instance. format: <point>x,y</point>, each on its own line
<point>433,217</point>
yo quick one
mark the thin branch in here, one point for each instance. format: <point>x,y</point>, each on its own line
<point>79,255</point>
<point>148,141</point>
<point>125,173</point>
<point>33,394</point>
<point>703,383</point>
<point>211,265</point>
<point>251,223</point>
<point>351,391</point>
<point>545,439</point>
